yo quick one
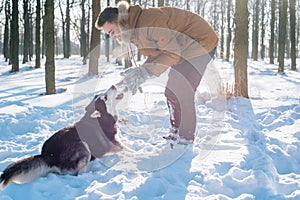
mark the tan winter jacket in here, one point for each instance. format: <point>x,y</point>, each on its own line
<point>166,35</point>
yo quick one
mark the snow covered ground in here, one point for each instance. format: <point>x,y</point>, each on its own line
<point>244,149</point>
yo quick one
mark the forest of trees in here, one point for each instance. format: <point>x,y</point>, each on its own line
<point>248,29</point>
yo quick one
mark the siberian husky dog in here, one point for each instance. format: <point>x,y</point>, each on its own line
<point>69,150</point>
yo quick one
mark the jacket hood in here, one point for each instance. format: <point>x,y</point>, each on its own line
<point>123,7</point>
<point>127,23</point>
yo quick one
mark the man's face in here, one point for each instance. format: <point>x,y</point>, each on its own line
<point>112,29</point>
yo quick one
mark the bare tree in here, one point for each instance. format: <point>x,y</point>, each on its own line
<point>241,48</point>
<point>67,41</point>
<point>95,41</point>
<point>66,27</point>
<point>167,2</point>
<point>215,15</point>
<point>292,7</point>
<point>282,34</point>
<point>14,37</point>
<point>255,29</point>
<point>107,40</point>
<point>272,26</point>
<point>43,34</point>
<point>298,27</point>
<point>26,32</point>
<point>50,47</point>
<point>88,26</point>
<point>31,43</point>
<point>63,28</point>
<point>223,7</point>
<point>83,34</point>
<point>160,3</point>
<point>6,31</point>
<point>263,27</point>
<point>229,32</point>
<point>188,7</point>
<point>38,35</point>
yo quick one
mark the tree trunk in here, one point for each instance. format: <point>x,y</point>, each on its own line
<point>228,40</point>
<point>282,34</point>
<point>298,27</point>
<point>14,37</point>
<point>287,42</point>
<point>160,3</point>
<point>63,30</point>
<point>95,41</point>
<point>188,7</point>
<point>166,2</point>
<point>26,32</point>
<point>88,28</point>
<point>38,35</point>
<point>50,47</point>
<point>293,33</point>
<point>107,41</point>
<point>68,22</point>
<point>43,38</point>
<point>272,25</point>
<point>6,32</point>
<point>255,30</point>
<point>31,45</point>
<point>262,45</point>
<point>215,15</point>
<point>241,49</point>
<point>222,31</point>
<point>83,35</point>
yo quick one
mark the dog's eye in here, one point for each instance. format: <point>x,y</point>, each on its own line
<point>120,96</point>
<point>104,97</point>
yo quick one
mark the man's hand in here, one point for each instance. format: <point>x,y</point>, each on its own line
<point>134,77</point>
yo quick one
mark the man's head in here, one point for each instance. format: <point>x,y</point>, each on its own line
<point>109,14</point>
<point>108,22</point>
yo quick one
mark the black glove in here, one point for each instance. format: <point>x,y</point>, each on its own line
<point>134,77</point>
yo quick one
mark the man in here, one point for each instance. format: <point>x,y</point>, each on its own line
<point>169,37</point>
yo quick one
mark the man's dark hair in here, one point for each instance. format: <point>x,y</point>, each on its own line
<point>109,14</point>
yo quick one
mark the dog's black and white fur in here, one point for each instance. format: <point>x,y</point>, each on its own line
<point>69,150</point>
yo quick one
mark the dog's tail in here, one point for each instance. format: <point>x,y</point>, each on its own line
<point>25,170</point>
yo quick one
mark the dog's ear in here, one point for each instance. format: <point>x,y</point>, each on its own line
<point>95,114</point>
<point>91,105</point>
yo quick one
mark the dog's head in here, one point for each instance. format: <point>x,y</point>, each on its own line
<point>105,103</point>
